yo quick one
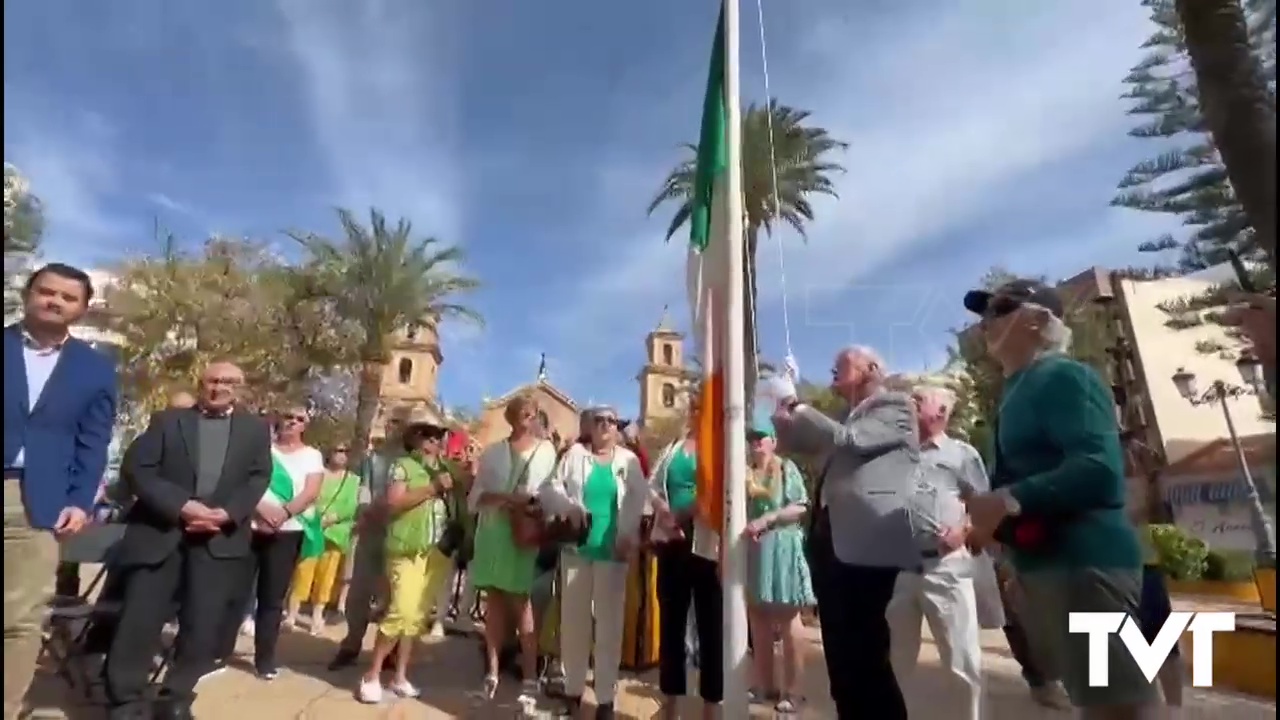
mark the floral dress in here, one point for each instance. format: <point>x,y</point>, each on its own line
<point>778,572</point>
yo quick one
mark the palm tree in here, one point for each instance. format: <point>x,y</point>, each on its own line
<point>1238,107</point>
<point>383,279</point>
<point>801,154</point>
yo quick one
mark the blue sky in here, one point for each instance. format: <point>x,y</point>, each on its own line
<point>535,133</point>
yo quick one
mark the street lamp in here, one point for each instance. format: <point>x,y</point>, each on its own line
<point>1250,369</point>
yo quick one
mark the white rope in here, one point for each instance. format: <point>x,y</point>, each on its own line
<point>777,203</point>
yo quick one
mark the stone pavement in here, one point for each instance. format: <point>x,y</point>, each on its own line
<point>448,671</point>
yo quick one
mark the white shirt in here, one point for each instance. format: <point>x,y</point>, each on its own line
<point>300,464</point>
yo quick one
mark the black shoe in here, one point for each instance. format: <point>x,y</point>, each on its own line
<point>604,712</point>
<point>172,710</point>
<point>344,659</point>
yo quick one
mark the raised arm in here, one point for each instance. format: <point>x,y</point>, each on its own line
<point>887,423</point>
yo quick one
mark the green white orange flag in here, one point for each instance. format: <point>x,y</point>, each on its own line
<point>706,285</point>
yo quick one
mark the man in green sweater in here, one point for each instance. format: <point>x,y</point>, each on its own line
<point>1058,495</point>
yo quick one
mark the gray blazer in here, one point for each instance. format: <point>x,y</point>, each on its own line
<point>870,471</point>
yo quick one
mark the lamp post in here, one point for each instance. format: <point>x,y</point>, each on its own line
<point>1250,368</point>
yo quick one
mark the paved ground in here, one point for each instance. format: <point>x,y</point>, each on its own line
<point>448,670</point>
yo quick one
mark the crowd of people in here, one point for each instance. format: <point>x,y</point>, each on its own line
<point>235,522</point>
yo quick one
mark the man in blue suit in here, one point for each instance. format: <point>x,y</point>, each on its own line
<point>59,409</point>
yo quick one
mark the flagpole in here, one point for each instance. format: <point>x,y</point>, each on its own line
<point>734,548</point>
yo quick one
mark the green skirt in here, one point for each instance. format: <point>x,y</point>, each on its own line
<point>497,564</point>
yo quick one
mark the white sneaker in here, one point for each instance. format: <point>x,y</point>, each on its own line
<point>247,628</point>
<point>369,692</point>
<point>405,689</point>
<point>437,629</point>
<point>528,698</point>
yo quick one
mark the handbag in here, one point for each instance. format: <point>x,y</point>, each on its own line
<point>526,521</point>
<point>454,535</point>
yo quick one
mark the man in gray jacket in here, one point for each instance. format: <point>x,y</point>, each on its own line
<point>860,535</point>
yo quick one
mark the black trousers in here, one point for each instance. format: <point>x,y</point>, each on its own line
<point>264,575</point>
<point>684,579</point>
<point>202,583</point>
<point>855,634</point>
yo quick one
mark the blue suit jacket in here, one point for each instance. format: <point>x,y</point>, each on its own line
<point>64,436</point>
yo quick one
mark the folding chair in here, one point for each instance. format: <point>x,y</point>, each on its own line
<point>79,629</point>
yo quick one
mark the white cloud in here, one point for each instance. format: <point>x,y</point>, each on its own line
<point>168,203</point>
<point>72,168</point>
<point>945,108</point>
<point>382,109</point>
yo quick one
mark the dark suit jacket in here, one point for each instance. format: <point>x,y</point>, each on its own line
<point>64,434</point>
<point>161,475</point>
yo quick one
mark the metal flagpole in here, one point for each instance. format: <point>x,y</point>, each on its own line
<point>733,547</point>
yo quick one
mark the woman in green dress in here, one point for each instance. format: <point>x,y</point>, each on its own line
<point>779,585</point>
<point>510,475</point>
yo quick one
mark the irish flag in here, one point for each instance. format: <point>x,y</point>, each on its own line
<point>706,284</point>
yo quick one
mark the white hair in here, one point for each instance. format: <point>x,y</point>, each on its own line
<point>870,356</point>
<point>942,395</point>
<point>1055,336</point>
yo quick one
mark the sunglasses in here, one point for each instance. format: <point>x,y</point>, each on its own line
<point>606,420</point>
<point>296,418</point>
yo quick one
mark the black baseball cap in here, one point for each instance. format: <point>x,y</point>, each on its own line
<point>1012,295</point>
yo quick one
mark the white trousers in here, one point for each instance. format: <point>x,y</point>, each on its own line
<point>944,598</point>
<point>592,589</point>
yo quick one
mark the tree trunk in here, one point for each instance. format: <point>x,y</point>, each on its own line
<point>1237,107</point>
<point>366,408</point>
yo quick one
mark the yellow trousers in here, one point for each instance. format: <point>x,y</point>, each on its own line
<point>314,578</point>
<point>415,581</point>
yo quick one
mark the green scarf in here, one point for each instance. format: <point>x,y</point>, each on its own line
<point>312,531</point>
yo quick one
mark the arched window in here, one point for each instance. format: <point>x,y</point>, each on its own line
<point>405,370</point>
<point>668,395</point>
<point>412,333</point>
<point>668,355</point>
<point>543,420</point>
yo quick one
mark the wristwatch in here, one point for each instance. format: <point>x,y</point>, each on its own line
<point>1011,505</point>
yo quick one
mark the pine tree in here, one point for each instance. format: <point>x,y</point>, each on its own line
<point>1187,179</point>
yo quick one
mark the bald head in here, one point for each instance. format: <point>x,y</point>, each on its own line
<point>220,385</point>
<point>857,373</point>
